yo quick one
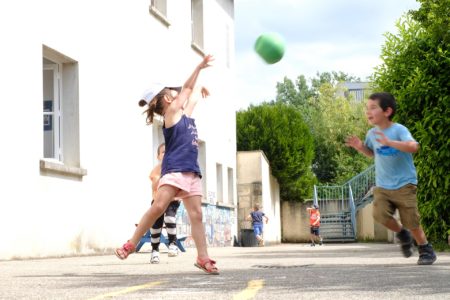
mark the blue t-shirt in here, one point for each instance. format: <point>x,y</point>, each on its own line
<point>393,168</point>
<point>181,147</point>
<point>257,217</point>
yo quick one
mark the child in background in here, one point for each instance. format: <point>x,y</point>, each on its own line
<point>180,172</point>
<point>257,217</point>
<point>392,146</point>
<point>314,223</point>
<point>169,217</point>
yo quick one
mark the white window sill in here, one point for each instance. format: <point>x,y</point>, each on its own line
<point>220,204</point>
<point>197,49</point>
<point>60,168</point>
<point>206,202</point>
<point>162,18</point>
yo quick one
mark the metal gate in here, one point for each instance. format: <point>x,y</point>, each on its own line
<point>339,204</point>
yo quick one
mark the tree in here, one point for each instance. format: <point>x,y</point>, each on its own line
<point>279,130</point>
<point>416,70</point>
<point>334,119</point>
<point>330,117</point>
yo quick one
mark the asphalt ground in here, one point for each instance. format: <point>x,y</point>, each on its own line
<point>287,271</point>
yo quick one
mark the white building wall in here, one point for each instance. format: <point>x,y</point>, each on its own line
<point>257,185</point>
<point>120,48</point>
<point>270,202</point>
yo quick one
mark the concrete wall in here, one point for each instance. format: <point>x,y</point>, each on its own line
<point>255,184</point>
<point>368,229</point>
<point>295,224</point>
<point>118,48</point>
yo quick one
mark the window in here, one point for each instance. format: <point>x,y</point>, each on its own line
<point>202,165</point>
<point>158,8</point>
<point>197,25</point>
<point>230,186</point>
<point>61,136</point>
<point>219,183</point>
<point>52,113</point>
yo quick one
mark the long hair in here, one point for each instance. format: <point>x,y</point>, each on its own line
<point>156,105</point>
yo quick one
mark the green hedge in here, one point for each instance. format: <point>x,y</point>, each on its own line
<point>416,70</point>
<point>279,131</point>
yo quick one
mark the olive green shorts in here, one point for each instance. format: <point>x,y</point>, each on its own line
<point>404,199</point>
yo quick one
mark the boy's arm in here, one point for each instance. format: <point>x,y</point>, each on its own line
<point>267,219</point>
<point>357,144</point>
<point>189,85</point>
<point>317,220</point>
<point>249,217</point>
<point>404,146</point>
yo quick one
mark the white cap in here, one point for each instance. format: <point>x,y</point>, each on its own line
<point>153,90</point>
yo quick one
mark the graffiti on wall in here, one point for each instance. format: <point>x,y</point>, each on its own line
<point>218,222</point>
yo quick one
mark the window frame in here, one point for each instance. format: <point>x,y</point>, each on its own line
<point>56,113</point>
<point>67,165</point>
<point>197,22</point>
<point>156,10</point>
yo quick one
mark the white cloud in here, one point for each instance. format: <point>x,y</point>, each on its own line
<point>321,35</point>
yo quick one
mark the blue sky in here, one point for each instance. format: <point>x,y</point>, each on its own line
<point>320,35</point>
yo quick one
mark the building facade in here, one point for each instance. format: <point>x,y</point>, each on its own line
<point>77,152</point>
<point>257,185</point>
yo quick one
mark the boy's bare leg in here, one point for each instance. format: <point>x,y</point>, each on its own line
<point>419,236</point>
<point>417,233</point>
<point>193,206</point>
<point>393,225</point>
<point>165,194</point>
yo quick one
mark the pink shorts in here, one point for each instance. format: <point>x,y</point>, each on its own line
<point>189,184</point>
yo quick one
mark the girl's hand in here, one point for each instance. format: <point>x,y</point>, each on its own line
<point>204,92</point>
<point>206,61</point>
<point>354,142</point>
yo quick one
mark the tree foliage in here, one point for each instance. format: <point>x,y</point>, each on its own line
<point>331,117</point>
<point>279,131</point>
<point>416,70</point>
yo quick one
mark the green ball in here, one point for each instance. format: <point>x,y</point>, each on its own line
<point>271,47</point>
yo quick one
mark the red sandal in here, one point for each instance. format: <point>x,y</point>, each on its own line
<point>125,250</point>
<point>207,265</point>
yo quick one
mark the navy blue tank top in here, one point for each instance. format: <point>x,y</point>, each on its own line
<point>181,147</point>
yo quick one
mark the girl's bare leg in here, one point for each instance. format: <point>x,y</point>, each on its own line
<point>164,196</point>
<point>193,206</point>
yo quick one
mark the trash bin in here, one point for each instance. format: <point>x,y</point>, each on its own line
<point>248,238</point>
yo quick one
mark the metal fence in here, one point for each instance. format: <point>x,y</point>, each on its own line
<point>339,204</point>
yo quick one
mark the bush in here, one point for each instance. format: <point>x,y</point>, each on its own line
<point>279,131</point>
<point>416,70</point>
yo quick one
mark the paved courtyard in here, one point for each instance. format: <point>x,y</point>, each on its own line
<point>288,271</point>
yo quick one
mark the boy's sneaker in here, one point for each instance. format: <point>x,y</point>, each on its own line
<point>313,245</point>
<point>155,257</point>
<point>426,255</point>
<point>173,250</point>
<point>406,242</point>
<point>320,242</point>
